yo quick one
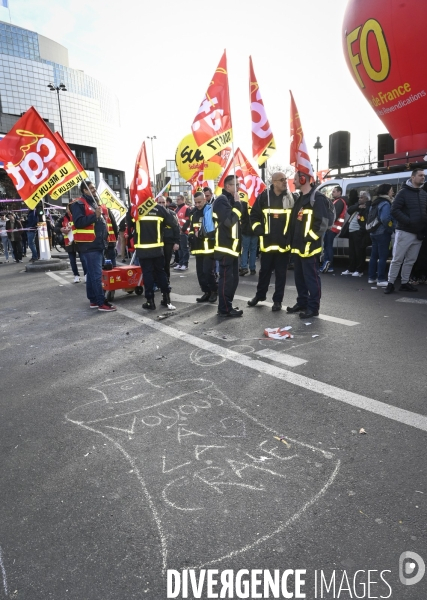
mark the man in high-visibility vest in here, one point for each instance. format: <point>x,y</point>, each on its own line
<point>202,247</point>
<point>340,206</point>
<point>270,218</point>
<point>309,221</point>
<point>148,238</point>
<point>227,212</point>
<point>91,226</point>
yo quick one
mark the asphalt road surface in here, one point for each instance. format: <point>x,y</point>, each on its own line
<point>132,446</point>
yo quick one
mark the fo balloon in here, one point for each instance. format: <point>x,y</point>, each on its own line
<point>383,44</point>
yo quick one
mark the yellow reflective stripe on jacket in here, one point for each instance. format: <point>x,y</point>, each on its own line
<point>238,213</point>
<point>255,225</point>
<point>308,230</point>
<point>226,250</point>
<point>159,242</point>
<point>306,253</point>
<point>273,248</point>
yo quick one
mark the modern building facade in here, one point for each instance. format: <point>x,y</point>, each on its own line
<point>170,173</point>
<point>29,62</point>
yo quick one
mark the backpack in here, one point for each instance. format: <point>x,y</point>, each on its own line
<point>329,204</point>
<point>373,221</point>
<point>208,226</point>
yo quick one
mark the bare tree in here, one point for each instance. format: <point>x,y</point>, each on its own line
<point>273,168</point>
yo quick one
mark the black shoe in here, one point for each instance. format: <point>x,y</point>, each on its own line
<point>253,272</point>
<point>255,301</point>
<point>407,287</point>
<point>233,313</point>
<point>389,289</point>
<point>213,297</point>
<point>149,305</point>
<point>276,306</point>
<point>243,272</point>
<point>308,314</point>
<point>294,309</point>
<point>204,298</point>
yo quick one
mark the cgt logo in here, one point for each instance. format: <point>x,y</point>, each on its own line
<point>33,163</point>
<point>411,568</point>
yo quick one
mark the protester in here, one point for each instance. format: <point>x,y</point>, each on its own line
<point>227,211</point>
<point>270,218</point>
<point>90,230</point>
<point>7,246</point>
<point>410,211</point>
<point>171,237</point>
<point>14,226</point>
<point>208,195</point>
<point>309,221</point>
<point>113,234</point>
<point>330,234</point>
<point>358,238</point>
<point>249,244</point>
<point>32,221</point>
<point>183,214</point>
<point>149,231</point>
<point>122,240</point>
<point>381,225</point>
<point>202,247</point>
<point>63,226</point>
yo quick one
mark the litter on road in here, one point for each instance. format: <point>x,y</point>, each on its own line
<point>279,333</point>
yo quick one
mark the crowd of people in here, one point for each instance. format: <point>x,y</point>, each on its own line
<point>225,236</point>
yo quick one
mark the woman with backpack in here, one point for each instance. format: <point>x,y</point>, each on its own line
<point>380,225</point>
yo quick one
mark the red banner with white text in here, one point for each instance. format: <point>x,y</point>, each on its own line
<point>299,157</point>
<point>212,128</point>
<point>263,144</point>
<point>141,196</point>
<point>33,159</point>
<point>250,183</point>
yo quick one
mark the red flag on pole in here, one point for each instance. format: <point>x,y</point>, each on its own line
<point>33,158</point>
<point>212,128</point>
<point>299,157</point>
<point>263,144</point>
<point>72,179</point>
<point>141,196</point>
<point>250,183</point>
<point>197,182</point>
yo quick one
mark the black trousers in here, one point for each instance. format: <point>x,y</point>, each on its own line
<point>307,281</point>
<point>17,250</point>
<point>153,271</point>
<point>205,268</point>
<point>167,250</point>
<point>228,281</point>
<point>358,241</point>
<point>277,262</point>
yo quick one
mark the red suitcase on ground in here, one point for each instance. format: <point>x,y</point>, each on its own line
<point>127,278</point>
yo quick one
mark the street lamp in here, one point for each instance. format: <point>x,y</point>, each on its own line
<point>57,89</point>
<point>317,146</point>
<point>153,137</point>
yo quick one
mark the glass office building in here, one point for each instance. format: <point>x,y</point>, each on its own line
<point>89,110</point>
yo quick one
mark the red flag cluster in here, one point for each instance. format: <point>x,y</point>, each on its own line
<point>299,157</point>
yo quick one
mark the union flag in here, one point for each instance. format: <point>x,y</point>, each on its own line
<point>197,182</point>
<point>73,178</point>
<point>299,157</point>
<point>141,196</point>
<point>263,144</point>
<point>212,128</point>
<point>250,183</point>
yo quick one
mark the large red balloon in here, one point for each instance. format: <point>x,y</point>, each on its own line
<point>384,44</point>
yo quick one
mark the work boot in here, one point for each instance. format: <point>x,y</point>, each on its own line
<point>276,306</point>
<point>255,301</point>
<point>204,298</point>
<point>213,297</point>
<point>165,300</point>
<point>149,304</point>
<point>389,289</point>
<point>408,287</point>
<point>295,308</point>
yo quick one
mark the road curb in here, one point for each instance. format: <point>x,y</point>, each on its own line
<point>54,264</point>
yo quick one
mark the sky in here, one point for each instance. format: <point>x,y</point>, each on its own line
<point>159,56</point>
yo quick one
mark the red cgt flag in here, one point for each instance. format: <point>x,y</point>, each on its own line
<point>197,182</point>
<point>33,158</point>
<point>212,128</point>
<point>250,183</point>
<point>299,157</point>
<point>72,179</point>
<point>263,144</point>
<point>141,196</point>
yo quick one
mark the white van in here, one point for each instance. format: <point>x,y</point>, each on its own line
<point>368,183</point>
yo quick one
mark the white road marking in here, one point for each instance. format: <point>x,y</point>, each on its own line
<point>412,300</point>
<point>321,316</point>
<point>281,357</point>
<point>369,404</point>
<point>57,277</point>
